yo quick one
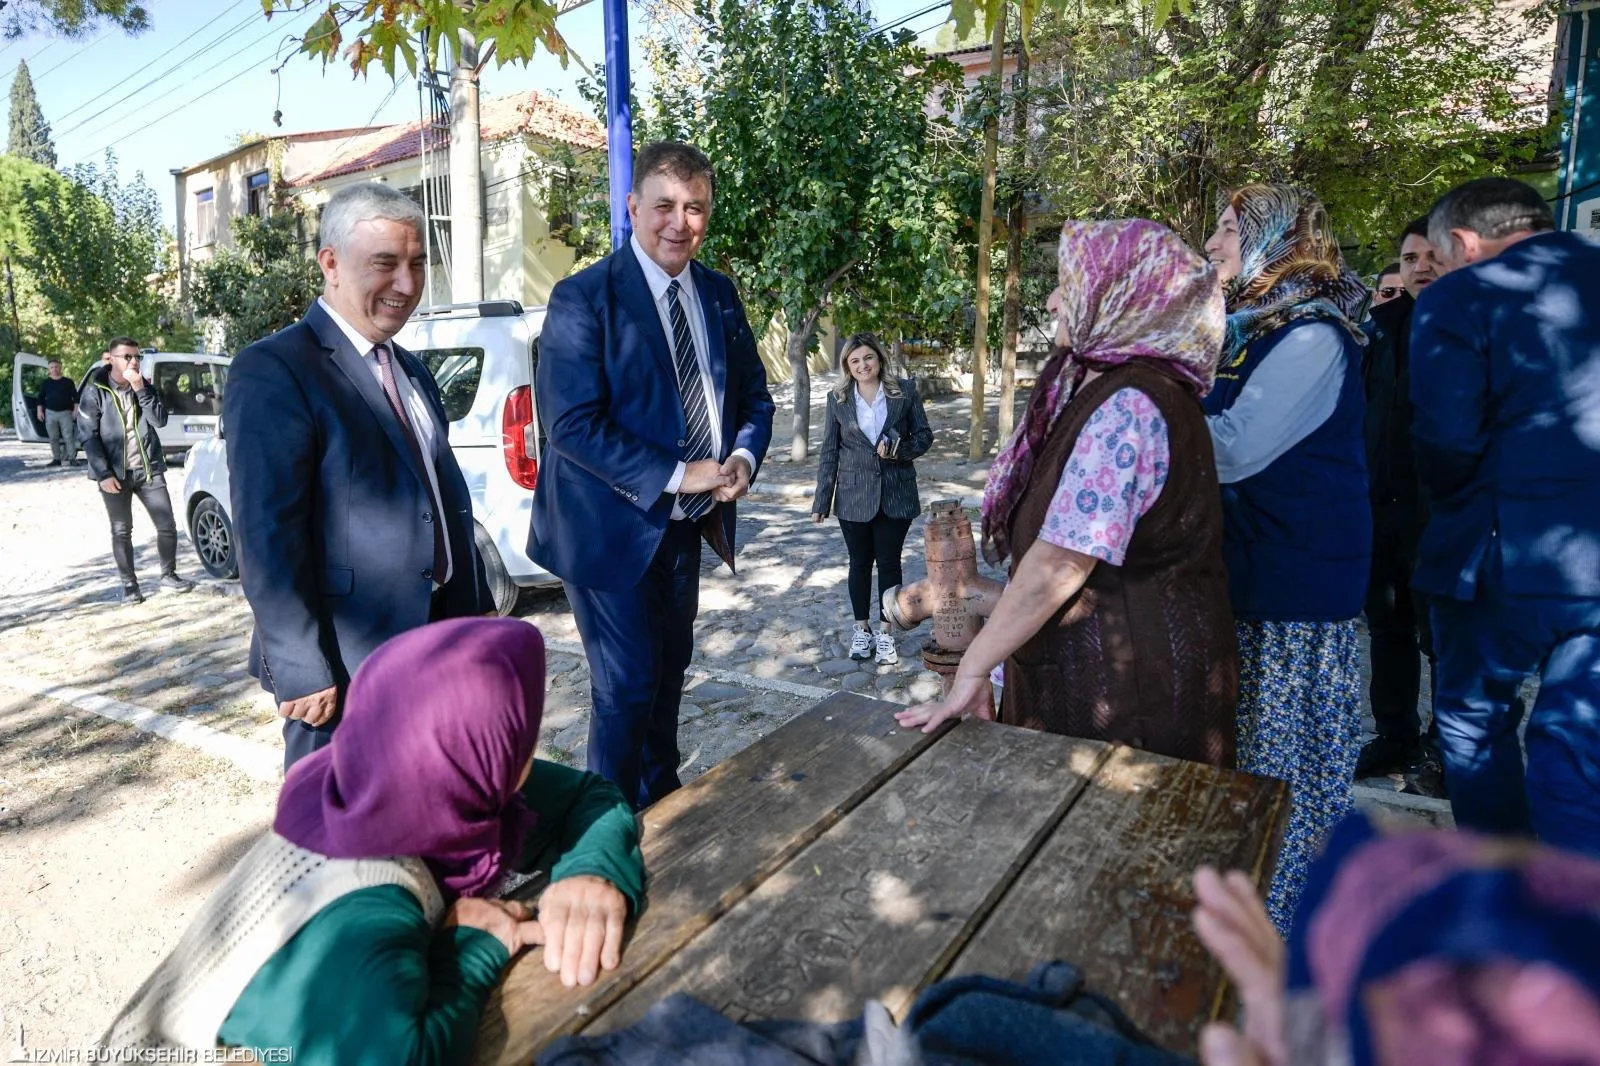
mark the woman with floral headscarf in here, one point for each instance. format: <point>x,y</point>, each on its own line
<point>365,926</point>
<point>1115,624</point>
<point>1286,419</point>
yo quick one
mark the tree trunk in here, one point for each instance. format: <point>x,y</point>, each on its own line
<point>991,149</point>
<point>1016,221</point>
<point>800,366</point>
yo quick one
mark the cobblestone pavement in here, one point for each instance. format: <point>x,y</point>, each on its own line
<point>117,807</point>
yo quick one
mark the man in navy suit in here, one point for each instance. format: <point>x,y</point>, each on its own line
<point>656,410</point>
<point>1505,380</point>
<point>352,519</point>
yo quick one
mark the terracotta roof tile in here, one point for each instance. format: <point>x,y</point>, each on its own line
<point>531,113</point>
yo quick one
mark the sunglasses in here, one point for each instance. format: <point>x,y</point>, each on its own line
<point>1390,292</point>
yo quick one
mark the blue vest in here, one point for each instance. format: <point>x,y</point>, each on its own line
<point>1297,537</point>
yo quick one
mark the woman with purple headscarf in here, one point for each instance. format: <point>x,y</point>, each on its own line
<point>366,926</point>
<point>1115,624</point>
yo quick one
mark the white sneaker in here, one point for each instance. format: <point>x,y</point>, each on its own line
<point>860,644</point>
<point>887,654</point>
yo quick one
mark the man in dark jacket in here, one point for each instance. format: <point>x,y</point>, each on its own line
<point>1505,372</point>
<point>118,415</point>
<point>1394,621</point>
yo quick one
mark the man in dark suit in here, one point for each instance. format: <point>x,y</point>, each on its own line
<point>1505,379</point>
<point>656,410</point>
<point>352,518</point>
<point>1396,620</point>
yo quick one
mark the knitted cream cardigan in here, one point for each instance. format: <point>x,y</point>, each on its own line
<point>274,890</point>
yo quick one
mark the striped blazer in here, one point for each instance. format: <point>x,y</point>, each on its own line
<point>852,481</point>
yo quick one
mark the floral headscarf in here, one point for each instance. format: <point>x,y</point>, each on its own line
<point>1291,267</point>
<point>1130,289</point>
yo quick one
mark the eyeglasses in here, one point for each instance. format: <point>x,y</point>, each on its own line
<point>1390,292</point>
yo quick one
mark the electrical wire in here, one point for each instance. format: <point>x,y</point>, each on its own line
<point>238,28</point>
<point>276,31</point>
<point>253,67</point>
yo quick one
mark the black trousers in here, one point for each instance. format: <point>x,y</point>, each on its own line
<point>878,541</point>
<point>152,492</point>
<point>1397,621</point>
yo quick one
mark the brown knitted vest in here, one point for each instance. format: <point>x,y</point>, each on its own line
<point>1144,653</point>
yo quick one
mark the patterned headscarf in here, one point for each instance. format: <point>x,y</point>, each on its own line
<point>1291,267</point>
<point>437,728</point>
<point>1130,289</point>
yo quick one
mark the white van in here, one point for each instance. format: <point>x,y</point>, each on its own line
<point>482,356</point>
<point>189,383</point>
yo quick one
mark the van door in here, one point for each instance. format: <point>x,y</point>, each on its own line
<point>190,387</point>
<point>28,374</point>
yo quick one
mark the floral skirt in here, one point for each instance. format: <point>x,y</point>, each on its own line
<point>1299,720</point>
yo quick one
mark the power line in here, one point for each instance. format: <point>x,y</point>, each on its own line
<point>238,28</point>
<point>46,73</point>
<point>273,32</point>
<point>192,100</point>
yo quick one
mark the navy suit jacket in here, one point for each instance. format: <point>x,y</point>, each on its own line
<point>331,514</point>
<point>1505,382</point>
<point>608,399</point>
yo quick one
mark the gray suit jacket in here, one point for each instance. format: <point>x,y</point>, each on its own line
<point>852,481</point>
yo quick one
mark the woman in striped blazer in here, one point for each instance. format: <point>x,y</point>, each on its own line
<point>874,429</point>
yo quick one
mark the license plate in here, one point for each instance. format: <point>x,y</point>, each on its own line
<point>199,431</point>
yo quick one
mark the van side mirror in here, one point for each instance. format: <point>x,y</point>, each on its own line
<point>220,435</point>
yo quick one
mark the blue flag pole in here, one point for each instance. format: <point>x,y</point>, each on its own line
<point>619,118</point>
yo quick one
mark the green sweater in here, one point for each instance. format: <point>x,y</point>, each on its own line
<point>369,980</point>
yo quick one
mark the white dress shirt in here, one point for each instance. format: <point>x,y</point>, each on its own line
<point>658,280</point>
<point>871,416</point>
<point>417,408</point>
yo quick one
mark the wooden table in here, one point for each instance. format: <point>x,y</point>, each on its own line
<point>842,859</point>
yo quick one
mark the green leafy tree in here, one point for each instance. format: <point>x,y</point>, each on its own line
<point>30,133</point>
<point>1378,107</point>
<point>361,32</point>
<point>100,261</point>
<point>831,195</point>
<point>70,18</point>
<point>261,285</point>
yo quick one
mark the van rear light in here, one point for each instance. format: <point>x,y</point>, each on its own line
<point>517,436</point>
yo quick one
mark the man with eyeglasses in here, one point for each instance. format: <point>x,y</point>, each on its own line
<point>1389,286</point>
<point>1396,622</point>
<point>118,415</point>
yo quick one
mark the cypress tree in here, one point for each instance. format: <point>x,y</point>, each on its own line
<point>30,133</point>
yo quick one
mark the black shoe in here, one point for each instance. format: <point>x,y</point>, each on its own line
<point>55,462</point>
<point>1428,780</point>
<point>1387,755</point>
<point>174,583</point>
<point>131,594</point>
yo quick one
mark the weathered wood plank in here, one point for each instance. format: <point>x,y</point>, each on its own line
<point>708,845</point>
<point>885,898</point>
<point>1111,891</point>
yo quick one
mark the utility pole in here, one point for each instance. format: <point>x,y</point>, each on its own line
<point>619,119</point>
<point>991,149</point>
<point>466,176</point>
<point>1016,223</point>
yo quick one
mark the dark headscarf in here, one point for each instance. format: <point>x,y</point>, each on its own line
<point>1290,267</point>
<point>1130,290</point>
<point>1446,948</point>
<point>437,728</point>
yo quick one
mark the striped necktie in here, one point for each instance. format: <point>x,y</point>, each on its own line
<point>391,392</point>
<point>691,390</point>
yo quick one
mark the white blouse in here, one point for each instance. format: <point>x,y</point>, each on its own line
<point>871,416</point>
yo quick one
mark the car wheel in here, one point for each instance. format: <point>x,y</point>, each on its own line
<point>212,535</point>
<point>501,587</point>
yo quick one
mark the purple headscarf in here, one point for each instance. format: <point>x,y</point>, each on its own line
<point>437,728</point>
<point>1130,289</point>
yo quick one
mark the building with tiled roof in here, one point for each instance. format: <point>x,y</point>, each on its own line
<point>520,134</point>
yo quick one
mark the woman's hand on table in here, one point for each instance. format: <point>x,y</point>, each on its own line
<point>968,695</point>
<point>509,922</point>
<point>582,918</point>
<point>1233,925</point>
